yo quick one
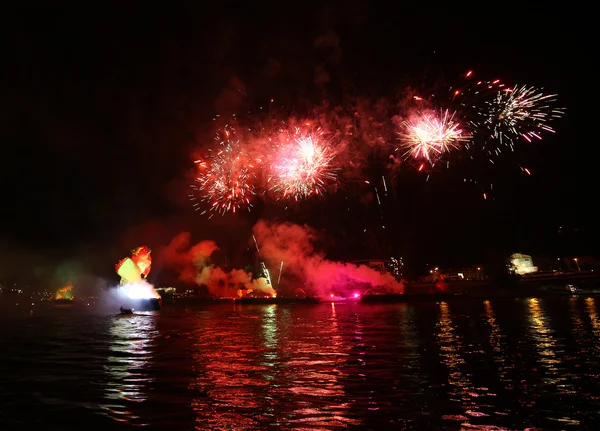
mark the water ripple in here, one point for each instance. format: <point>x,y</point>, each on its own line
<point>482,365</point>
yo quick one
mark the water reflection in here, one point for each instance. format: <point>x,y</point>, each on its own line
<point>341,366</point>
<point>550,357</point>
<point>452,347</point>
<point>590,305</point>
<point>271,332</point>
<point>496,342</point>
<point>131,348</point>
<point>267,370</point>
<point>544,342</point>
<point>314,376</point>
<point>579,331</point>
<point>228,373</point>
<point>408,349</point>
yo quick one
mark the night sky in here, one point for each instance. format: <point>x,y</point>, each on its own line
<point>102,112</point>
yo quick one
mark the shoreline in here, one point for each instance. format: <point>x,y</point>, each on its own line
<point>381,299</point>
<point>531,286</point>
<point>386,298</point>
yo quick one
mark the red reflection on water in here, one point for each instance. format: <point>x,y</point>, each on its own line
<point>267,370</point>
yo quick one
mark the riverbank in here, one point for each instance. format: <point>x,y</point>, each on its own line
<point>539,286</point>
<point>542,284</point>
<point>479,294</point>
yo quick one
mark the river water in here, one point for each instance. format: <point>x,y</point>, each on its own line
<point>466,364</point>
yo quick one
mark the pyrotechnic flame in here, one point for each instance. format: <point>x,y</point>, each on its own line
<point>428,136</point>
<point>65,292</point>
<point>138,290</point>
<point>225,176</point>
<point>303,165</point>
<point>141,256</point>
<point>133,271</point>
<point>128,271</point>
<point>520,111</point>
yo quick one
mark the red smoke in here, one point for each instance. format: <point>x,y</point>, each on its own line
<point>187,260</point>
<point>192,263</point>
<point>292,244</point>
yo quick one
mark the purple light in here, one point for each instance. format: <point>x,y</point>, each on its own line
<point>356,295</point>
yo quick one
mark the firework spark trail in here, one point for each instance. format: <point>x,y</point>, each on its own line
<point>469,95</point>
<point>428,136</point>
<point>278,160</point>
<point>302,166</point>
<point>520,111</point>
<point>280,271</point>
<point>225,177</point>
<point>470,100</point>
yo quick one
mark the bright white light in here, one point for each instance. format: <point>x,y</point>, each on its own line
<point>141,290</point>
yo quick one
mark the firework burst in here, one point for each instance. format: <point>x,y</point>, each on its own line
<point>225,177</point>
<point>302,165</point>
<point>520,111</point>
<point>473,90</point>
<point>428,136</point>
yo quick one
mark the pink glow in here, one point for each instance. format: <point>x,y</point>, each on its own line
<point>293,244</point>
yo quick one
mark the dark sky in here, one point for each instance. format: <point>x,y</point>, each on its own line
<point>103,108</point>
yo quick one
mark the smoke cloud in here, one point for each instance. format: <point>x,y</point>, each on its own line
<point>193,264</point>
<point>293,245</point>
